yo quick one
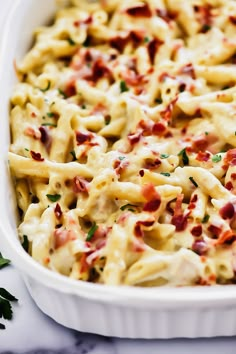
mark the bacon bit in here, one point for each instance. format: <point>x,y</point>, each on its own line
<point>86,21</point>
<point>167,113</point>
<point>46,138</point>
<point>99,71</point>
<point>229,186</point>
<point>196,230</point>
<point>179,220</point>
<point>215,230</point>
<point>200,247</point>
<point>152,164</point>
<point>133,79</point>
<point>138,227</point>
<point>120,42</point>
<point>120,166</point>
<point>58,211</point>
<point>139,245</point>
<point>146,126</point>
<point>29,131</point>
<point>227,211</point>
<point>164,76</point>
<point>227,237</point>
<point>70,89</point>
<point>61,237</point>
<point>81,138</point>
<point>33,115</point>
<point>80,185</point>
<point>188,69</point>
<point>149,192</point>
<point>36,156</point>
<point>152,205</point>
<point>233,176</point>
<point>212,278</point>
<point>141,173</point>
<point>153,47</point>
<point>184,130</point>
<point>142,10</point>
<point>158,129</point>
<point>204,16</point>
<point>46,260</point>
<point>134,138</point>
<point>84,266</point>
<point>167,16</point>
<point>232,20</point>
<point>230,158</point>
<point>194,198</point>
<point>203,156</point>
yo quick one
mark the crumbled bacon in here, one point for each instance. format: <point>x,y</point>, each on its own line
<point>134,138</point>
<point>146,126</point>
<point>167,112</point>
<point>196,230</point>
<point>80,185</point>
<point>119,166</point>
<point>203,156</point>
<point>138,231</point>
<point>86,21</point>
<point>81,138</point>
<point>152,196</point>
<point>36,156</point>
<point>62,237</point>
<point>204,16</point>
<point>167,16</point>
<point>153,47</point>
<point>192,204</point>
<point>46,138</point>
<point>152,205</point>
<point>230,158</point>
<point>229,186</point>
<point>227,211</point>
<point>200,247</point>
<point>188,69</point>
<point>141,173</point>
<point>227,237</point>
<point>70,89</point>
<point>233,176</point>
<point>134,37</point>
<point>34,133</point>
<point>99,70</point>
<point>142,10</point>
<point>179,220</point>
<point>232,20</point>
<point>58,211</point>
<point>151,164</point>
<point>215,230</point>
<point>203,142</point>
<point>158,129</point>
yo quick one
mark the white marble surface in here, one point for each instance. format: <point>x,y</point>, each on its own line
<point>32,332</point>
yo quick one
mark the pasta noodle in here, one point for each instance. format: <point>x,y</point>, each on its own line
<point>123,147</point>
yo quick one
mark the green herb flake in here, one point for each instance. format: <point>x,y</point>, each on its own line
<point>50,114</point>
<point>25,243</point>
<point>46,88</point>
<point>83,106</point>
<point>91,232</point>
<point>167,174</point>
<point>123,86</point>
<point>158,100</point>
<point>3,261</point>
<point>216,158</point>
<point>127,206</point>
<point>205,219</point>
<point>71,41</point>
<point>205,28</point>
<point>49,125</point>
<point>164,156</point>
<point>121,158</point>
<point>146,39</point>
<point>193,181</point>
<point>206,133</point>
<point>26,149</point>
<point>53,197</point>
<point>73,155</point>
<point>62,93</point>
<point>235,133</point>
<point>107,119</point>
<point>184,156</point>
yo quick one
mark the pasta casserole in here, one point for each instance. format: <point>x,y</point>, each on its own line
<point>123,142</point>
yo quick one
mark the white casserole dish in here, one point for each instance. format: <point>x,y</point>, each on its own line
<point>113,311</point>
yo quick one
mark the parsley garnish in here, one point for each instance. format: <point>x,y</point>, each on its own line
<point>216,158</point>
<point>26,149</point>
<point>167,174</point>
<point>25,243</point>
<point>121,158</point>
<point>91,232</point>
<point>83,106</point>
<point>50,114</point>
<point>127,206</point>
<point>206,133</point>
<point>73,155</point>
<point>70,41</point>
<point>61,92</point>
<point>49,125</point>
<point>205,28</point>
<point>164,156</point>
<point>53,197</point>
<point>158,100</point>
<point>107,119</point>
<point>3,261</point>
<point>193,181</point>
<point>46,88</point>
<point>184,156</point>
<point>146,39</point>
<point>205,219</point>
<point>123,86</point>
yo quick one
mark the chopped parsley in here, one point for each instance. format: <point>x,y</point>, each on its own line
<point>184,156</point>
<point>205,28</point>
<point>61,92</point>
<point>49,125</point>
<point>25,243</point>
<point>216,158</point>
<point>51,114</point>
<point>121,158</point>
<point>107,119</point>
<point>164,156</point>
<point>46,88</point>
<point>128,206</point>
<point>205,219</point>
<point>26,149</point>
<point>193,181</point>
<point>53,197</point>
<point>73,155</point>
<point>71,41</point>
<point>206,133</point>
<point>3,261</point>
<point>83,106</point>
<point>146,39</point>
<point>158,100</point>
<point>123,86</point>
<point>91,232</point>
<point>167,174</point>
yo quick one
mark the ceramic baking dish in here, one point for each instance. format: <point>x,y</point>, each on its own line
<point>114,311</point>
